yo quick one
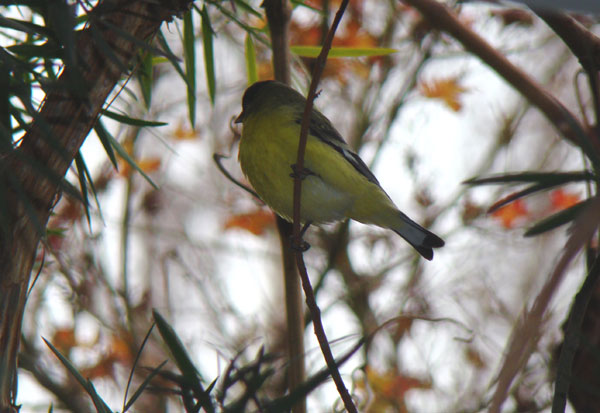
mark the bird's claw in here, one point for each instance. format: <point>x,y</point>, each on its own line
<point>299,245</point>
<point>302,173</point>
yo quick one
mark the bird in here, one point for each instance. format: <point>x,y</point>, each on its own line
<point>336,184</point>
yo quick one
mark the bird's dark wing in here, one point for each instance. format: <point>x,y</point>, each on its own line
<point>322,128</point>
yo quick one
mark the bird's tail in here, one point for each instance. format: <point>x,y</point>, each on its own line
<point>421,239</point>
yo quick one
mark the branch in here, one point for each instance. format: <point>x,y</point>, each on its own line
<point>563,120</point>
<point>584,44</point>
<point>310,297</point>
<point>278,17</point>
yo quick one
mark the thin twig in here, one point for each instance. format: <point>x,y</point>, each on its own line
<point>217,158</point>
<point>556,113</point>
<point>310,298</point>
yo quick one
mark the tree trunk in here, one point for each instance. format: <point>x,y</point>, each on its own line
<point>30,175</point>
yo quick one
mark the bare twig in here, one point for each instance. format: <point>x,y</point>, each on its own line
<point>217,158</point>
<point>557,114</point>
<point>584,44</point>
<point>310,298</point>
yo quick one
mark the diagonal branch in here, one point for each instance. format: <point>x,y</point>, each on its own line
<point>310,297</point>
<point>442,18</point>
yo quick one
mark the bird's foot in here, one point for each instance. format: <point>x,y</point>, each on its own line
<point>300,173</point>
<point>298,244</point>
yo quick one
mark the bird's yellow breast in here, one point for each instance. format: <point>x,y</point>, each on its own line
<point>268,150</point>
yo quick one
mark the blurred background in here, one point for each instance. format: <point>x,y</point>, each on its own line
<point>422,111</point>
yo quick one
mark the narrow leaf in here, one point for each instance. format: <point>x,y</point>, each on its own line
<point>89,179</point>
<point>182,359</point>
<point>250,52</point>
<point>244,5</point>
<point>62,16</point>
<point>145,77</point>
<point>140,43</point>
<point>209,58</point>
<point>70,367</point>
<point>123,154</point>
<point>314,51</point>
<point>556,220</point>
<point>24,26</point>
<point>190,64</point>
<point>133,367</point>
<point>516,195</point>
<point>106,50</point>
<point>552,178</point>
<point>80,164</point>
<point>100,405</point>
<point>143,386</point>
<point>232,17</point>
<point>163,43</point>
<point>46,50</point>
<point>131,121</point>
<point>103,135</point>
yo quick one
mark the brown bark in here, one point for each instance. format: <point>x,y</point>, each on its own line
<point>48,148</point>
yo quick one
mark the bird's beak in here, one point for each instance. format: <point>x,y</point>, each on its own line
<point>240,118</point>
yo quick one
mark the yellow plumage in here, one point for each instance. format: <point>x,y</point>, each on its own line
<point>338,184</point>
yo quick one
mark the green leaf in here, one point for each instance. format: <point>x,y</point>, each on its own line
<point>131,121</point>
<point>145,77</point>
<point>143,386</point>
<point>29,51</point>
<point>313,51</point>
<point>140,43</point>
<point>107,50</point>
<point>88,176</point>
<point>86,384</point>
<point>189,52</point>
<point>123,154</point>
<point>163,43</point>
<point>155,371</point>
<point>250,53</point>
<point>81,168</point>
<point>24,26</point>
<point>61,18</point>
<point>70,367</point>
<point>232,17</point>
<point>171,339</point>
<point>191,376</point>
<point>103,135</point>
<point>246,6</point>
<point>514,196</point>
<point>209,58</point>
<point>100,405</point>
<point>543,178</point>
<point>556,220</point>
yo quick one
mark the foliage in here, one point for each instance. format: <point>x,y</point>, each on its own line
<point>185,241</point>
